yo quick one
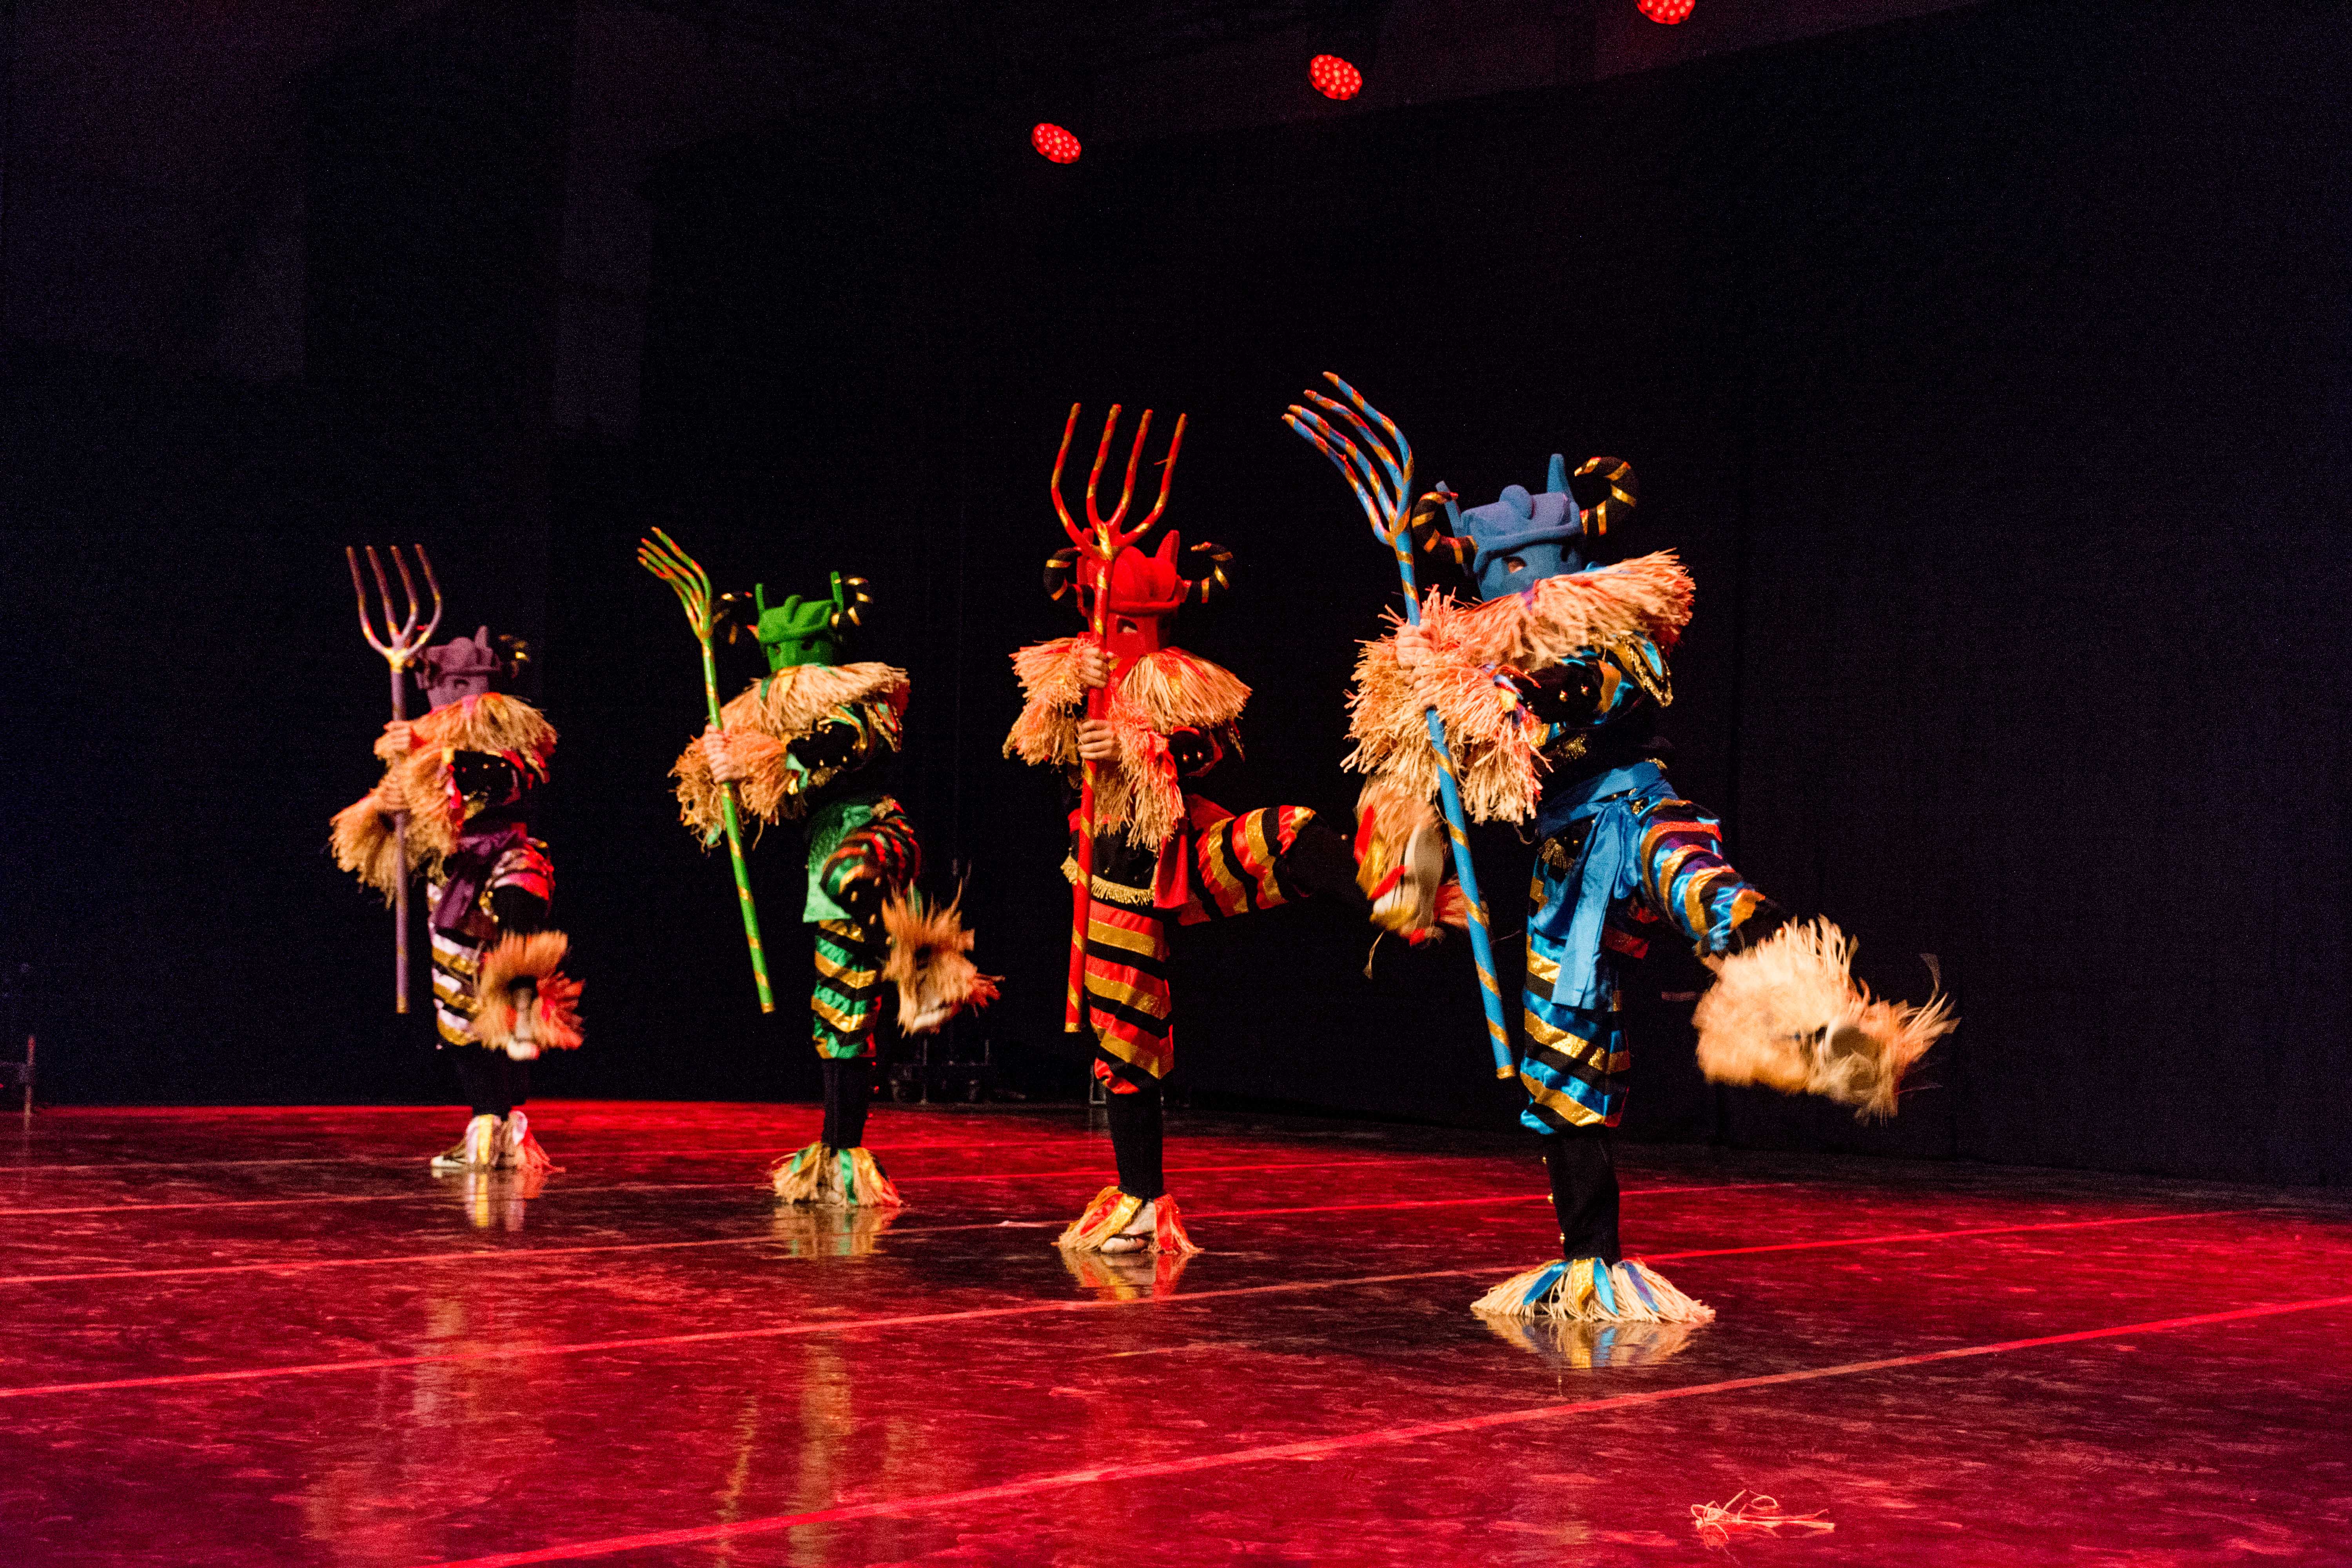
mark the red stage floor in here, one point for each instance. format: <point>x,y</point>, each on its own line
<point>248,1336</point>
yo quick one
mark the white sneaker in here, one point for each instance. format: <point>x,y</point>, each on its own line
<point>477,1150</point>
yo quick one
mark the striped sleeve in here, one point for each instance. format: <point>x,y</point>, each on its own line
<point>526,868</point>
<point>1685,879</point>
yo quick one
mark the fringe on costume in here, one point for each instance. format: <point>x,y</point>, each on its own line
<point>1789,1014</point>
<point>1497,743</point>
<point>1648,596</point>
<point>519,1147</point>
<point>1162,692</point>
<point>1458,659</point>
<point>833,1178</point>
<point>1111,1212</point>
<point>555,1015</point>
<point>1583,1289</point>
<point>492,721</point>
<point>362,839</point>
<point>929,962</point>
<point>759,725</point>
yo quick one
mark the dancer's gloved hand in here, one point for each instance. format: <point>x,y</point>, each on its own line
<point>725,766</point>
<point>1092,663</point>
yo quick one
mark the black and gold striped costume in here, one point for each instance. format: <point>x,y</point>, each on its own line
<point>458,944</point>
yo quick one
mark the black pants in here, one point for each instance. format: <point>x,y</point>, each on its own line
<point>849,1087</point>
<point>1138,1143</point>
<point>1583,1192</point>
<point>494,1082</point>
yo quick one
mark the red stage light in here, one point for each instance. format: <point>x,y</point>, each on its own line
<point>1054,143</point>
<point>1335,77</point>
<point>1666,11</point>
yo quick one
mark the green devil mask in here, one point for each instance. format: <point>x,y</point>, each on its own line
<point>807,631</point>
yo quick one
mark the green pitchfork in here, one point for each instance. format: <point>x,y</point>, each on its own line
<point>661,556</point>
<point>1385,505</point>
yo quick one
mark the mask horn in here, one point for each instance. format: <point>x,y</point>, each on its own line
<point>1556,478</point>
<point>1624,493</point>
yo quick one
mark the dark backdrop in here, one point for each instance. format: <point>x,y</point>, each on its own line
<point>1988,371</point>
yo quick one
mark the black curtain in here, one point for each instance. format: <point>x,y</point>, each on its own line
<point>1988,370</point>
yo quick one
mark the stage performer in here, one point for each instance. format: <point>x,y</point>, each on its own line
<point>1162,855</point>
<point>1550,673</point>
<point>463,774</point>
<point>812,743</point>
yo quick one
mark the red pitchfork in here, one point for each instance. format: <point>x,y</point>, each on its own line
<point>1104,542</point>
<point>400,646</point>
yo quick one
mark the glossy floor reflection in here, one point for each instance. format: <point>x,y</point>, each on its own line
<point>271,1336</point>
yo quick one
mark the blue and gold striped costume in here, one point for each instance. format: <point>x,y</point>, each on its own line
<point>1621,857</point>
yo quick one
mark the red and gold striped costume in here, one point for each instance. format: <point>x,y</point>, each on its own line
<point>1216,867</point>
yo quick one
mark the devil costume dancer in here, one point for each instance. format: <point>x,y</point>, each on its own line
<point>1551,686</point>
<point>1162,856</point>
<point>463,774</point>
<point>811,741</point>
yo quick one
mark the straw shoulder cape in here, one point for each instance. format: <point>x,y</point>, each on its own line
<point>1461,658</point>
<point>1160,692</point>
<point>770,715</point>
<point>491,722</point>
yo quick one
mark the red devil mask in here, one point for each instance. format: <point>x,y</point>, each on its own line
<point>1145,590</point>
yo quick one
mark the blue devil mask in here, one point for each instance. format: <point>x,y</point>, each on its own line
<point>1523,538</point>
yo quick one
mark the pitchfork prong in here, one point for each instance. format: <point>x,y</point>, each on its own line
<point>407,592</point>
<point>1354,466</point>
<point>1167,470</point>
<point>1403,447</point>
<point>1126,488</point>
<point>358,595</point>
<point>1103,531</point>
<point>1298,420</point>
<point>1355,457</point>
<point>1400,479</point>
<point>383,590</point>
<point>666,561</point>
<point>425,561</point>
<point>1069,523</point>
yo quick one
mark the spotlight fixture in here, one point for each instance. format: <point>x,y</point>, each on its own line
<point>1053,144</point>
<point>1334,77</point>
<point>1669,12</point>
<point>1344,45</point>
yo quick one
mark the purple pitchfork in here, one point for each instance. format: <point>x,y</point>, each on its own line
<point>400,646</point>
